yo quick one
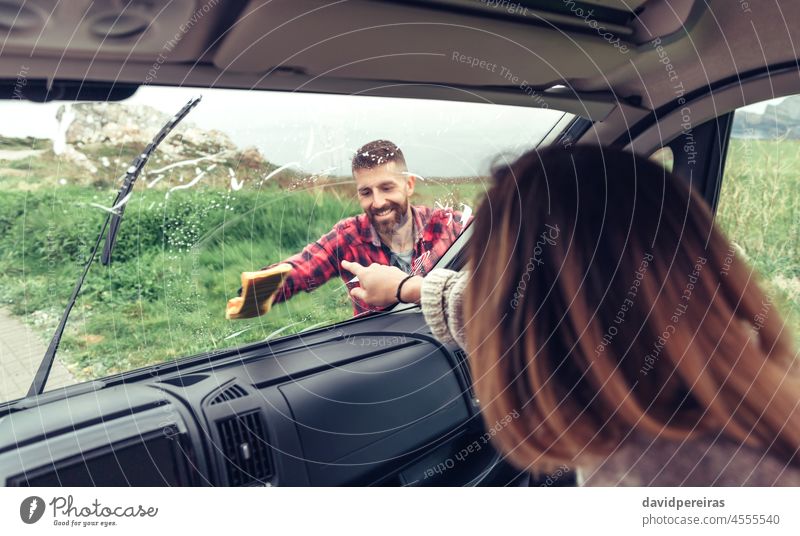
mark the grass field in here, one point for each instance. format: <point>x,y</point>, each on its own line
<point>177,261</point>
<point>759,209</point>
<point>179,258</point>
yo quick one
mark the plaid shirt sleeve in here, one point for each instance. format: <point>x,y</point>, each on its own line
<point>454,227</point>
<point>314,266</point>
<point>458,223</point>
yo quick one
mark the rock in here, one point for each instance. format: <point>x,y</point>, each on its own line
<point>124,124</point>
<point>776,121</point>
<point>252,158</point>
<point>71,154</point>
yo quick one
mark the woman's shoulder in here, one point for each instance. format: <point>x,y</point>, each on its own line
<point>704,461</point>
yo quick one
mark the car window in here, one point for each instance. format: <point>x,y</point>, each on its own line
<point>249,180</point>
<point>664,157</point>
<point>759,206</point>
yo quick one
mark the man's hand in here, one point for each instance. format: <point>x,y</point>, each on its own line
<point>378,282</point>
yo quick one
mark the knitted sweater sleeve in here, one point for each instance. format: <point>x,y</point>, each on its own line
<point>442,304</point>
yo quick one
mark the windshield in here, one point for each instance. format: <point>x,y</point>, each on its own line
<point>249,181</point>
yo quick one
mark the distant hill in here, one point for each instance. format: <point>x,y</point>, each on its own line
<point>778,121</point>
<point>27,143</point>
<point>96,142</point>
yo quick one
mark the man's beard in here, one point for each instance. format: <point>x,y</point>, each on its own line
<point>390,227</point>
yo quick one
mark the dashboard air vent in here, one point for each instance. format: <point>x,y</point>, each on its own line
<point>229,393</point>
<point>245,450</point>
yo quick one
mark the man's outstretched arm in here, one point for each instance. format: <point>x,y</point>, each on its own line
<point>312,267</point>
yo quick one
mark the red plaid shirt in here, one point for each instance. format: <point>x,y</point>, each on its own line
<point>354,239</point>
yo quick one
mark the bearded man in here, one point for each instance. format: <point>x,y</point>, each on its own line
<point>391,231</point>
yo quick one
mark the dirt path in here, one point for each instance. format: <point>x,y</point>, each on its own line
<point>5,154</point>
<point>21,351</point>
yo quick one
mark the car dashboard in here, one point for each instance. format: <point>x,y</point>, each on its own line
<point>373,402</point>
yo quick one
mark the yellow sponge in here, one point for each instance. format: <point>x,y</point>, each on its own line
<point>258,292</point>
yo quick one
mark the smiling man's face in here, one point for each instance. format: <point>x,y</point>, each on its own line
<point>383,192</point>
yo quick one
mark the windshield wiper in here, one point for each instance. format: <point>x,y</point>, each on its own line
<point>133,173</point>
<point>114,219</point>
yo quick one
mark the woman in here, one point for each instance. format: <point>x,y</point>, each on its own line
<point>601,303</point>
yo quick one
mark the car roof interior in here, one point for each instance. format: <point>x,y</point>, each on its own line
<point>405,48</point>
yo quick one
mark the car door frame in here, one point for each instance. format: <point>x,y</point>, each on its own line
<point>697,128</point>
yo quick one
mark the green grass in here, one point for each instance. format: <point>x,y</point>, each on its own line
<point>179,258</point>
<point>177,262</point>
<point>759,209</point>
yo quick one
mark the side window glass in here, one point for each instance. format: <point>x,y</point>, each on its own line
<point>664,157</point>
<point>759,205</point>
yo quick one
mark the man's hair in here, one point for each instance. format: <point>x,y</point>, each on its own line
<point>377,153</point>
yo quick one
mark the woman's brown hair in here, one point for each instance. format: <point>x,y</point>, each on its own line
<point>604,302</point>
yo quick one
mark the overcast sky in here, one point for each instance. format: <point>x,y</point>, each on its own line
<point>322,131</point>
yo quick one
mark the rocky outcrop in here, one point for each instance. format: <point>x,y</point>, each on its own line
<point>74,156</point>
<point>780,120</point>
<point>86,130</point>
<point>122,124</point>
<point>251,158</point>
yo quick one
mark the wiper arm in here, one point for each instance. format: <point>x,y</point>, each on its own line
<point>132,173</point>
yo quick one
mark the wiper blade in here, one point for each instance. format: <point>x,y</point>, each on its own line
<point>132,173</point>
